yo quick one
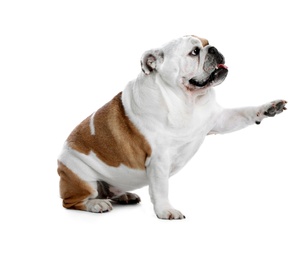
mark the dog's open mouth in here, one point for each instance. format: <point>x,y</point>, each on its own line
<point>219,74</point>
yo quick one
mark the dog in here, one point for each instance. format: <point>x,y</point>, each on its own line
<point>148,132</point>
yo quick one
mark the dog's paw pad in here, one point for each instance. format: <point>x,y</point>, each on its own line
<point>275,107</point>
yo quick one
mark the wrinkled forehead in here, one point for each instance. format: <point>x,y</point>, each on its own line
<point>190,41</point>
<point>203,41</point>
<point>185,42</point>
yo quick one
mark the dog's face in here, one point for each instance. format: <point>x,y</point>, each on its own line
<point>189,63</point>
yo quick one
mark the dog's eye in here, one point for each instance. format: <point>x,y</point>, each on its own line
<point>195,52</point>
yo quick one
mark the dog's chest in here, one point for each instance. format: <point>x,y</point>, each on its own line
<point>174,129</point>
<point>180,152</point>
<point>180,144</point>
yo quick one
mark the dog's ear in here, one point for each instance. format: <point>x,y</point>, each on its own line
<point>151,60</point>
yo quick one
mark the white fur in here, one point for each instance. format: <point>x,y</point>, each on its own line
<point>92,126</point>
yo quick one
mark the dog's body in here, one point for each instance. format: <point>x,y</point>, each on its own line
<point>151,130</point>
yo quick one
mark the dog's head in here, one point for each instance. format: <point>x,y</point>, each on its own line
<point>188,62</point>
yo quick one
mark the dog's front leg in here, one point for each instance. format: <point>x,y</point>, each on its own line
<point>158,175</point>
<point>230,120</point>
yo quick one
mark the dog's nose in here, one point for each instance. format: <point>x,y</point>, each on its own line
<point>217,55</point>
<point>212,50</point>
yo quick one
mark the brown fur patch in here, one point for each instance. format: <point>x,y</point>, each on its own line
<point>204,42</point>
<point>116,140</point>
<point>73,190</point>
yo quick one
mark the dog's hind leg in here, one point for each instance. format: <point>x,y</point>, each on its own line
<point>79,194</point>
<point>106,191</point>
<point>127,198</point>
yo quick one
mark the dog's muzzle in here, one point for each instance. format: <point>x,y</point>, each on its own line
<point>215,65</point>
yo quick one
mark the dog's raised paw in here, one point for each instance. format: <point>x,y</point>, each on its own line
<point>271,109</point>
<point>275,107</point>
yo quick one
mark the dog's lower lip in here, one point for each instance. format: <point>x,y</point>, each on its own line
<point>197,83</point>
<point>202,84</point>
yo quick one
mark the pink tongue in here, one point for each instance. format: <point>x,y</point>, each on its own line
<point>222,66</point>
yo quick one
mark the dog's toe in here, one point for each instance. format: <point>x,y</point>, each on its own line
<point>169,214</point>
<point>98,205</point>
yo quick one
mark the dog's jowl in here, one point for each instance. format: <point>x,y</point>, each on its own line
<point>148,132</point>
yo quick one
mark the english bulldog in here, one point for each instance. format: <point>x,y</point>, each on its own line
<point>148,132</point>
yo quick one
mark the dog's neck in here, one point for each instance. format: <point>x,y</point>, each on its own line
<point>174,94</point>
<point>166,103</point>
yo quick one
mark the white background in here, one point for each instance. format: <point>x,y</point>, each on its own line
<point>244,194</point>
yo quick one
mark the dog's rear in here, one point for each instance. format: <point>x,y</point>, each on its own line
<point>107,138</point>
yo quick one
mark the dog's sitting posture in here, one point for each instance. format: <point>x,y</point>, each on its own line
<point>148,132</point>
